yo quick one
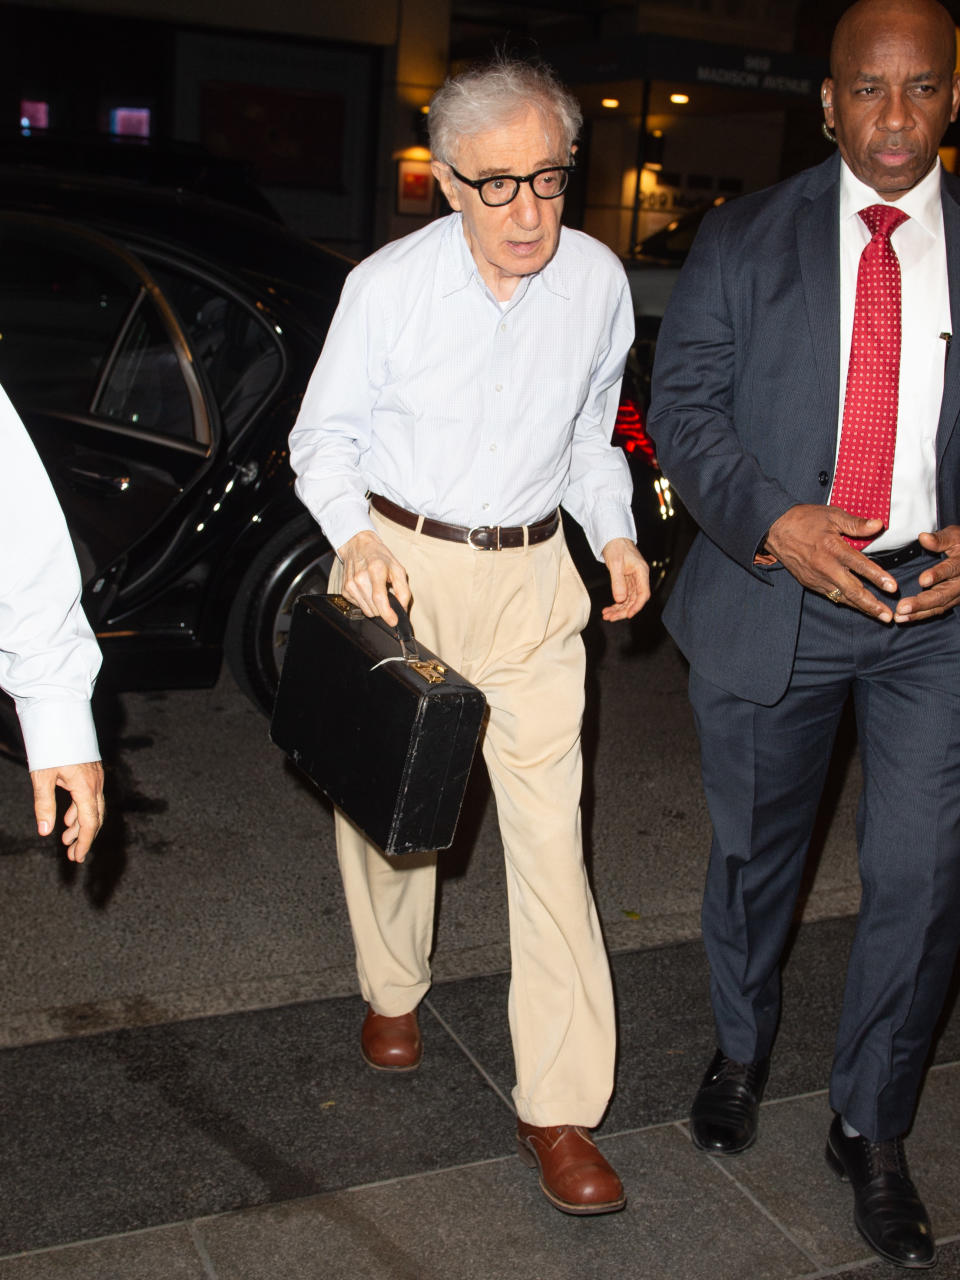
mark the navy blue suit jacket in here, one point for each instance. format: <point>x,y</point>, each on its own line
<point>744,414</point>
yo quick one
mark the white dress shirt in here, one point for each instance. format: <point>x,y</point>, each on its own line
<point>925,314</point>
<point>49,658</point>
<point>432,393</point>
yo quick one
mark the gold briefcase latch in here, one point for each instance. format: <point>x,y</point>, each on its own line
<point>429,669</point>
<point>345,607</point>
<point>432,671</point>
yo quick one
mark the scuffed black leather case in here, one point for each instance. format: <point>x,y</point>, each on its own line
<point>388,738</point>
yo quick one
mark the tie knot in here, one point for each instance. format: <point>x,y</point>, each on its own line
<point>883,219</point>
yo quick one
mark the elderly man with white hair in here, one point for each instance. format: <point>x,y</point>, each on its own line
<point>467,390</point>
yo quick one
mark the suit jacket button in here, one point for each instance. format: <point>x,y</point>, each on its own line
<point>823,477</point>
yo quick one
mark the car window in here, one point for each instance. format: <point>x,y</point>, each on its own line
<point>236,348</point>
<point>81,334</point>
<point>142,386</point>
<point>61,313</point>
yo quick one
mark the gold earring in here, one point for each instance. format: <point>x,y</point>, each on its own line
<point>830,137</point>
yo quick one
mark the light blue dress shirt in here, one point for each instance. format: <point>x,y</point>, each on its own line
<point>464,409</point>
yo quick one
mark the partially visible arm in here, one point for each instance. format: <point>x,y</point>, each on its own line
<point>331,433</point>
<point>691,412</point>
<point>599,489</point>
<point>333,428</point>
<point>49,658</point>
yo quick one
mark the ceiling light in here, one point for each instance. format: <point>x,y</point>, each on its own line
<point>680,98</point>
<point>610,102</point>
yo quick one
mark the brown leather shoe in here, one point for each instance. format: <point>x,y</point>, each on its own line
<point>391,1044</point>
<point>573,1174</point>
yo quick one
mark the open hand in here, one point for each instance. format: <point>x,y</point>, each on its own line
<point>629,579</point>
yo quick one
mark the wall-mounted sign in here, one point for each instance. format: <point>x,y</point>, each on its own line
<point>415,187</point>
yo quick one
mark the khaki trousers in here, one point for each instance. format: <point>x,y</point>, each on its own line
<point>509,621</point>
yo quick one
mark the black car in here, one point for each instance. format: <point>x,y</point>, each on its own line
<point>145,162</point>
<point>157,346</point>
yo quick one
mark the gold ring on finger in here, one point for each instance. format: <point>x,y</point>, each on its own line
<point>836,595</point>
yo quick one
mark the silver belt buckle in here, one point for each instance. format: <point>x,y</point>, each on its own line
<point>483,528</point>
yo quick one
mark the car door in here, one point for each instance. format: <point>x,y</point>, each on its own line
<point>95,361</point>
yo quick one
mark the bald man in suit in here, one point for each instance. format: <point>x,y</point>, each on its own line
<point>828,565</point>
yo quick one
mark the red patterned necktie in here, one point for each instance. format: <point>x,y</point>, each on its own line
<point>868,438</point>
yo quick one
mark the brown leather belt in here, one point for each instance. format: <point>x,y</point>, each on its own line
<point>482,537</point>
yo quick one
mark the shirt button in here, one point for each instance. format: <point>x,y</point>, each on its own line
<point>503,328</point>
<point>493,448</point>
<point>498,387</point>
<point>485,506</point>
<point>823,477</point>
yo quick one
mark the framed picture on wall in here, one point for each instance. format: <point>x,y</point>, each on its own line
<point>290,137</point>
<point>415,186</point>
<point>300,116</point>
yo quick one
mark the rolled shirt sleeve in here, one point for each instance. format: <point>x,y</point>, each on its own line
<point>49,658</point>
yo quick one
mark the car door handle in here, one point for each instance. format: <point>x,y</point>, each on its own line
<point>97,480</point>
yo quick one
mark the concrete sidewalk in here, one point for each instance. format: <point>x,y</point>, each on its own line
<point>259,1145</point>
<point>214,887</point>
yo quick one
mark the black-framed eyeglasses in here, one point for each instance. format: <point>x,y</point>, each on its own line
<point>546,184</point>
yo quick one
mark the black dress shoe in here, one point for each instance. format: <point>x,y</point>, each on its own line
<point>723,1118</point>
<point>886,1208</point>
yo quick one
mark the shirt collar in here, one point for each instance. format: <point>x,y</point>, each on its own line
<point>921,203</point>
<point>556,274</point>
<point>457,267</point>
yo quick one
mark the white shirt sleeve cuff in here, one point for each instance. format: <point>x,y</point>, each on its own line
<point>606,523</point>
<point>57,733</point>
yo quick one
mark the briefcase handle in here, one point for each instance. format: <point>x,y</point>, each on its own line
<point>408,646</point>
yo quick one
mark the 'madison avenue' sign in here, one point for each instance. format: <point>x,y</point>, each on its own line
<point>655,57</point>
<point>757,72</point>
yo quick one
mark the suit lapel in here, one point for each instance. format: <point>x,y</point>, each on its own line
<point>818,251</point>
<point>950,404</point>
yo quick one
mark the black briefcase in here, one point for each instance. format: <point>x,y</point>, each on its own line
<point>381,725</point>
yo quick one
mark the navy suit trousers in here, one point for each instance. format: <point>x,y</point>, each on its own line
<point>764,768</point>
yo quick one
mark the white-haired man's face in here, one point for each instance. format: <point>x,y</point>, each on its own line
<point>516,239</point>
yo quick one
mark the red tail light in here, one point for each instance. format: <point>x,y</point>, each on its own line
<point>629,431</point>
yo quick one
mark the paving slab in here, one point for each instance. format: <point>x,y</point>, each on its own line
<point>125,1130</point>
<point>166,1253</point>
<point>666,1034</point>
<point>490,1220</point>
<point>786,1170</point>
<point>947,1268</point>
